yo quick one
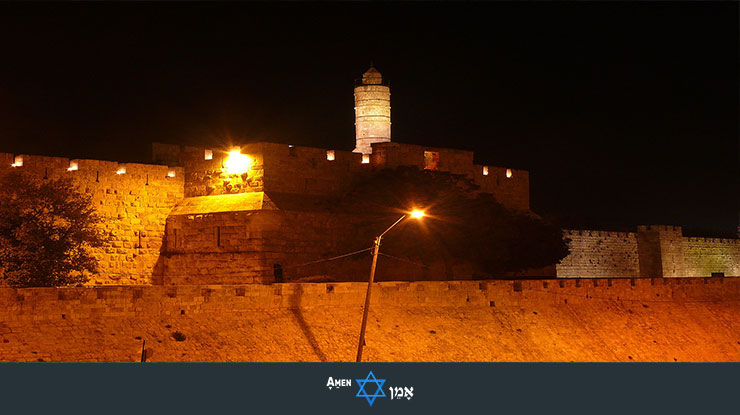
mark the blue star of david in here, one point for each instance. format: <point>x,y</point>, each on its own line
<point>370,379</point>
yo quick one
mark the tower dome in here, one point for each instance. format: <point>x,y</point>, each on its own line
<point>372,112</point>
<point>372,77</point>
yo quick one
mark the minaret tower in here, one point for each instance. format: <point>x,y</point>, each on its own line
<point>372,111</point>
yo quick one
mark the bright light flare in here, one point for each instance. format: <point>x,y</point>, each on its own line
<point>417,214</point>
<point>237,163</point>
<point>121,170</point>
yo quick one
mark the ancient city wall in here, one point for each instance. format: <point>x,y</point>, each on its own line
<point>654,251</point>
<point>509,186</point>
<point>133,200</point>
<point>205,175</point>
<point>243,247</point>
<point>600,254</point>
<point>548,320</point>
<point>704,256</point>
<point>310,171</point>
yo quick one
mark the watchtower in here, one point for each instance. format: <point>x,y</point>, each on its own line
<point>372,111</point>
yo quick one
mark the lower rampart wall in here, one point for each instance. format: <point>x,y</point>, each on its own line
<point>547,320</point>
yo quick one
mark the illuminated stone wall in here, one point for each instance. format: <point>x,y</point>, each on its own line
<point>661,247</point>
<point>205,175</point>
<point>280,168</point>
<point>654,251</point>
<point>600,254</point>
<point>243,247</point>
<point>619,320</point>
<point>704,256</point>
<point>134,207</point>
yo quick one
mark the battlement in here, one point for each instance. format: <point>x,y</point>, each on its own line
<point>659,228</point>
<point>713,240</point>
<point>284,168</point>
<point>49,167</point>
<point>605,234</point>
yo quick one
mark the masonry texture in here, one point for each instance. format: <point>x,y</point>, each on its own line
<point>372,111</point>
<point>625,320</point>
<point>653,251</point>
<point>133,205</point>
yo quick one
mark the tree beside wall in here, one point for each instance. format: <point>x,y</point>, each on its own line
<point>47,230</point>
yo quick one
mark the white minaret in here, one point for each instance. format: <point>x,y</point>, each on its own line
<point>372,112</point>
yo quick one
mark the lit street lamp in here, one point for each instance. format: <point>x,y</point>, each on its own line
<point>417,214</point>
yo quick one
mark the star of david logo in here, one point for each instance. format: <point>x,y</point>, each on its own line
<point>378,384</point>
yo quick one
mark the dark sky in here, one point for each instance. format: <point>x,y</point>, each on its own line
<point>624,113</point>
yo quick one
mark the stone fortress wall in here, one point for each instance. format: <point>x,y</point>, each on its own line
<point>279,217</point>
<point>598,254</point>
<point>201,223</point>
<point>164,223</point>
<point>272,216</point>
<point>653,251</point>
<point>134,201</point>
<point>620,320</point>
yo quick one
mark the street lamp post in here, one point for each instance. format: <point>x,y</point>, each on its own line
<point>376,247</point>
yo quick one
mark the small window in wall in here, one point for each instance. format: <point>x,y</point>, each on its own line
<point>208,155</point>
<point>73,165</point>
<point>365,158</point>
<point>171,173</point>
<point>508,173</point>
<point>485,170</point>
<point>330,155</point>
<point>17,161</point>
<point>431,160</point>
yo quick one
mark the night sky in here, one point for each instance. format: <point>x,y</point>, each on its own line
<point>624,113</point>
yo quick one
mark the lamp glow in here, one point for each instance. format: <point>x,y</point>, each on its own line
<point>237,163</point>
<point>417,214</point>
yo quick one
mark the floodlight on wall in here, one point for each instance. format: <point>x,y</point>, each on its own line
<point>171,173</point>
<point>365,158</point>
<point>17,161</point>
<point>73,165</point>
<point>237,163</point>
<point>485,170</point>
<point>121,170</point>
<point>330,155</point>
<point>508,173</point>
<point>208,155</point>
